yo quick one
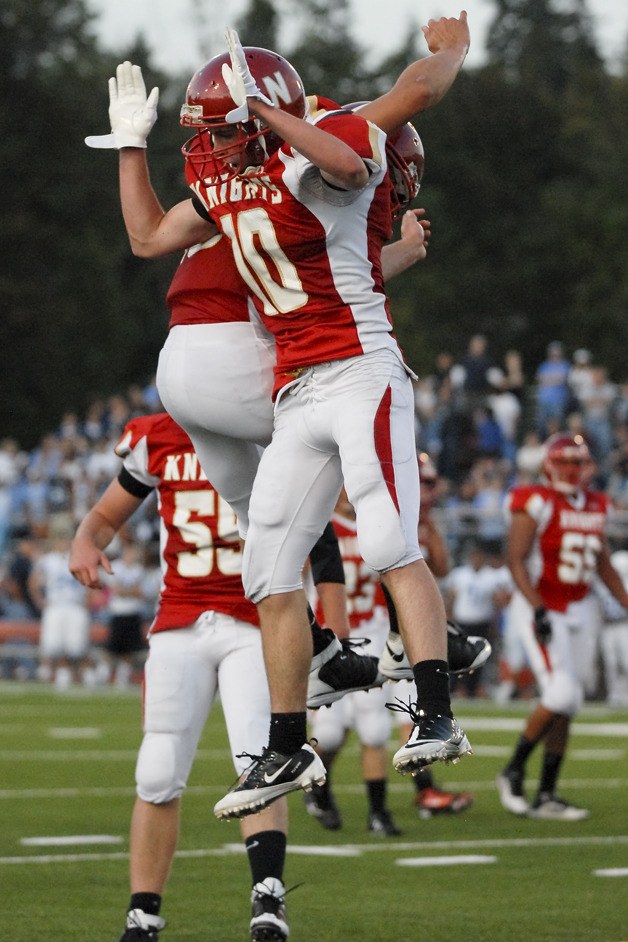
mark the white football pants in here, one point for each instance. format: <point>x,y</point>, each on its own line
<point>348,421</point>
<point>566,667</point>
<point>216,381</point>
<point>185,669</point>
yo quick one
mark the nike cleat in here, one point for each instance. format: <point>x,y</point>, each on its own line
<point>268,777</point>
<point>393,662</point>
<point>432,738</point>
<point>338,670</point>
<point>465,654</point>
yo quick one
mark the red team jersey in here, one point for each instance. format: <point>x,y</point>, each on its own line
<point>206,288</point>
<point>200,552</point>
<point>310,254</point>
<point>569,538</point>
<point>363,587</point>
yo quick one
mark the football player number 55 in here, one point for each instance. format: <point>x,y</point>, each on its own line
<point>197,504</point>
<point>254,228</point>
<point>578,557</point>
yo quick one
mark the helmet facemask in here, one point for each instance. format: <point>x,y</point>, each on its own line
<point>208,102</point>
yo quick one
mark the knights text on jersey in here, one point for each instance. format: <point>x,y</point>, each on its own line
<point>200,551</point>
<point>569,539</point>
<point>310,253</point>
<point>206,287</point>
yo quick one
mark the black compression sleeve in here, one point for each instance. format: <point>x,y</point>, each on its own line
<point>325,558</point>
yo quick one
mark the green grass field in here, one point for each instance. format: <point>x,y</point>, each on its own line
<point>67,772</point>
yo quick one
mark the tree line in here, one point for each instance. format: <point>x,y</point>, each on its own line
<point>525,185</point>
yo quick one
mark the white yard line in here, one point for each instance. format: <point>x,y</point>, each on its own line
<point>344,850</point>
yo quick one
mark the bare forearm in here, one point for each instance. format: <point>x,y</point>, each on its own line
<point>419,87</point>
<point>152,231</point>
<point>95,530</point>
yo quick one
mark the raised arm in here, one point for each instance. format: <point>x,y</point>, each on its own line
<point>338,162</point>
<point>423,84</point>
<point>152,231</point>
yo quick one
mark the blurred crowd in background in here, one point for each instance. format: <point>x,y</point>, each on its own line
<point>481,419</point>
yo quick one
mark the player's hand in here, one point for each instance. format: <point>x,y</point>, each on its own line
<point>239,80</point>
<point>131,112</point>
<point>415,231</point>
<point>447,33</point>
<point>84,563</point>
<point>542,625</point>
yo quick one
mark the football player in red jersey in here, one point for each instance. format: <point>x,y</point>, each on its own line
<point>556,545</point>
<point>204,639</point>
<point>307,222</point>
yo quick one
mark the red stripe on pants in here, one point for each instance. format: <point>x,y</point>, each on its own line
<point>383,444</point>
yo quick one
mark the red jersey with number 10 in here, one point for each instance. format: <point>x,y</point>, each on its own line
<point>569,539</point>
<point>201,558</point>
<point>311,253</point>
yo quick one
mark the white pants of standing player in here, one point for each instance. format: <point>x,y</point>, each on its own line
<point>348,421</point>
<point>564,667</point>
<point>186,668</point>
<point>216,381</point>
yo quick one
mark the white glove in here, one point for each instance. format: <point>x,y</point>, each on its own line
<point>239,80</point>
<point>131,113</point>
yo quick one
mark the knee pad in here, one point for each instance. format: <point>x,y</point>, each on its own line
<point>385,545</point>
<point>159,776</point>
<point>562,694</point>
<point>373,726</point>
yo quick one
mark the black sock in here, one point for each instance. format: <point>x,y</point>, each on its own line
<point>432,684</point>
<point>392,611</point>
<point>267,854</point>
<point>522,750</point>
<point>288,732</point>
<point>149,903</point>
<point>423,779</point>
<point>376,791</point>
<point>552,762</point>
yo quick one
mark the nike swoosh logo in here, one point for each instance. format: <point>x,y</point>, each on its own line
<point>269,779</point>
<point>396,657</point>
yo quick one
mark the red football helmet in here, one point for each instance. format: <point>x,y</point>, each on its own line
<point>567,462</point>
<point>207,102</point>
<point>406,162</point>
